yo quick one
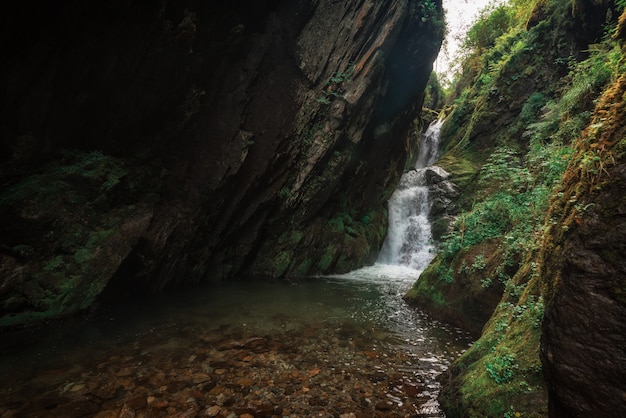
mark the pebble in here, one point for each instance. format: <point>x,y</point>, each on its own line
<point>291,373</point>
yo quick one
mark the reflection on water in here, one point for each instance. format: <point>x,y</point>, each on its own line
<point>321,347</point>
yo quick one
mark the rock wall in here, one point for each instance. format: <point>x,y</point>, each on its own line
<point>149,144</point>
<point>584,272</point>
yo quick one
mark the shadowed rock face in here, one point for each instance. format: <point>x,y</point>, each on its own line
<point>584,330</point>
<point>167,142</point>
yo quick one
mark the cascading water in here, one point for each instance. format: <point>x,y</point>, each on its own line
<point>429,146</point>
<point>409,239</point>
<point>406,252</point>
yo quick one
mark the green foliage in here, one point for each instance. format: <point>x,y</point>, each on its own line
<point>523,153</point>
<point>427,9</point>
<point>532,107</point>
<point>512,413</point>
<point>493,21</point>
<point>284,193</point>
<point>434,93</point>
<point>499,214</point>
<point>565,118</point>
<point>486,282</point>
<point>334,85</point>
<point>327,258</point>
<point>479,262</point>
<point>325,100</point>
<point>501,367</point>
<point>445,274</point>
<point>503,169</point>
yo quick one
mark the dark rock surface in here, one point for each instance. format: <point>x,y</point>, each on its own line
<point>241,137</point>
<point>584,330</point>
<point>443,194</point>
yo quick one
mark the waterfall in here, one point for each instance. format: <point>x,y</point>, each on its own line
<point>429,145</point>
<point>409,239</point>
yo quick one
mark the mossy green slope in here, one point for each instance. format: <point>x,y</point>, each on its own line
<point>582,266</point>
<point>526,93</point>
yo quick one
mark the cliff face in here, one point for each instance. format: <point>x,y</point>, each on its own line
<point>149,144</point>
<point>584,330</point>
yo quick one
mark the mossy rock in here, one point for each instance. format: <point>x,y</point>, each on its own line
<point>349,240</point>
<point>461,167</point>
<point>501,374</point>
<point>457,292</point>
<point>67,230</point>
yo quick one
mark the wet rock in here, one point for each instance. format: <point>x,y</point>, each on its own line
<point>213,411</point>
<point>200,378</point>
<point>137,402</point>
<point>109,391</point>
<point>107,414</point>
<point>281,382</point>
<point>442,192</point>
<point>189,413</point>
<point>126,412</point>
<point>255,344</point>
<point>76,408</point>
<point>411,389</point>
<point>435,174</point>
<point>384,406</point>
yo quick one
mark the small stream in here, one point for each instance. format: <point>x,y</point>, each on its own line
<point>342,346</point>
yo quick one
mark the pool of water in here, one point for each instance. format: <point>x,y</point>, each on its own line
<point>337,346</point>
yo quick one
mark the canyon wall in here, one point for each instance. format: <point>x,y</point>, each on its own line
<point>154,144</point>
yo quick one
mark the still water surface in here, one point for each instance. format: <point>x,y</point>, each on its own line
<point>336,346</point>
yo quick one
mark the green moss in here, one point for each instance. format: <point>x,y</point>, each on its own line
<point>427,290</point>
<point>281,263</point>
<point>295,237</point>
<point>437,298</point>
<point>303,268</point>
<point>461,168</point>
<point>55,263</point>
<point>337,224</point>
<point>326,259</point>
<point>70,217</point>
<point>502,370</point>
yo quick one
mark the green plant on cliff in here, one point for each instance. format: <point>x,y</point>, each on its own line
<point>427,9</point>
<point>502,367</point>
<point>334,85</point>
<point>493,21</point>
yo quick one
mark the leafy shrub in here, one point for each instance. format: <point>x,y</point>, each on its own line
<point>492,23</point>
<point>502,367</point>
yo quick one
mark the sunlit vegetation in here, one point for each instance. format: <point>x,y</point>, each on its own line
<point>522,99</point>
